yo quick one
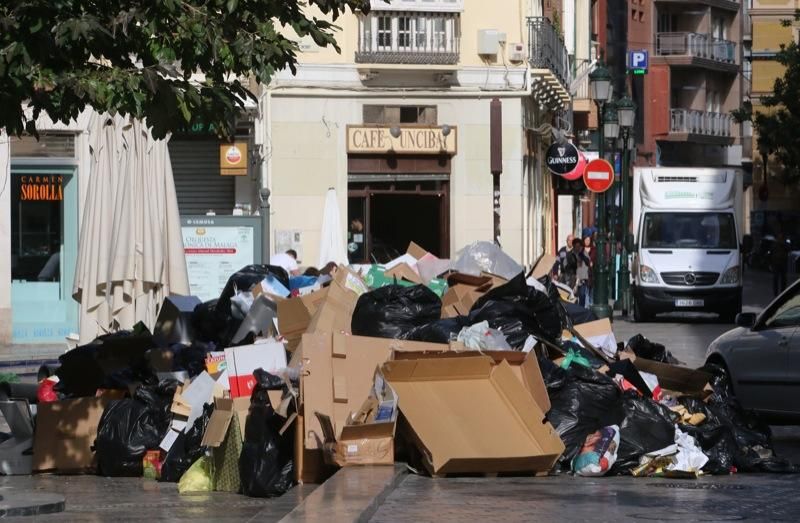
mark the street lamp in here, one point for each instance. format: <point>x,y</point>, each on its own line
<point>626,112</point>
<point>601,91</point>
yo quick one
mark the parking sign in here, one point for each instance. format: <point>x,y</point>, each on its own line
<point>638,61</point>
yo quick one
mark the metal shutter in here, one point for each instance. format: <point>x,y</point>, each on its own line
<point>200,187</point>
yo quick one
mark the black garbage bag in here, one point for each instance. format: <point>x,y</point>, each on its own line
<point>266,467</point>
<point>439,331</point>
<point>648,426</point>
<point>186,449</point>
<point>645,348</point>
<point>578,314</point>
<point>518,311</point>
<point>127,429</point>
<point>393,311</point>
<point>214,321</point>
<point>192,359</point>
<point>582,401</point>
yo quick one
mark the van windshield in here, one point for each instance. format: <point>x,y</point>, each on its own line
<point>695,230</point>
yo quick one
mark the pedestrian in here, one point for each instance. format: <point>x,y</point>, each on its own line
<point>779,259</point>
<point>578,264</point>
<point>558,266</point>
<point>329,269</point>
<point>287,260</point>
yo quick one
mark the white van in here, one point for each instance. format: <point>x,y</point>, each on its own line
<point>687,234</point>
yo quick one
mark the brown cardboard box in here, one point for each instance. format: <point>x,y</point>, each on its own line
<point>365,444</point>
<point>416,251</point>
<point>65,434</point>
<point>672,377</point>
<point>294,315</point>
<point>337,376</point>
<point>599,333</point>
<point>224,409</point>
<point>336,310</point>
<point>524,365</point>
<point>499,426</point>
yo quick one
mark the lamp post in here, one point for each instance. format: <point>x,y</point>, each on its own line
<point>626,112</point>
<point>601,92</point>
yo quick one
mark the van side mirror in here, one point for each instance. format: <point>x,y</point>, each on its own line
<point>746,320</point>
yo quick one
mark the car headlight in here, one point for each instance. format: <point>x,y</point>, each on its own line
<point>647,275</point>
<point>731,276</point>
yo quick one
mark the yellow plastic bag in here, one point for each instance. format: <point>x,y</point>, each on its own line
<point>199,477</point>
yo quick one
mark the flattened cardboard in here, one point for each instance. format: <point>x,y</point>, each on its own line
<point>65,434</point>
<point>220,419</point>
<point>600,334</point>
<point>405,272</point>
<point>294,316</point>
<point>672,377</point>
<point>416,251</point>
<point>544,266</point>
<point>488,400</point>
<point>336,311</point>
<point>366,444</point>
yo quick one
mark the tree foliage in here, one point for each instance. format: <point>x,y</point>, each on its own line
<point>777,123</point>
<point>138,57</point>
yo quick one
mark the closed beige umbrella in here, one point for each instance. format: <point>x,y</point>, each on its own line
<point>130,254</point>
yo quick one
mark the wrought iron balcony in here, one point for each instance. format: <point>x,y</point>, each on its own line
<point>547,49</point>
<point>690,121</point>
<point>409,38</point>
<point>696,45</point>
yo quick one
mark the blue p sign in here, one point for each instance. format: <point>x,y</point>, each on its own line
<point>637,60</point>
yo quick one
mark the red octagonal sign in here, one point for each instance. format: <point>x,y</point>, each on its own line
<point>598,175</point>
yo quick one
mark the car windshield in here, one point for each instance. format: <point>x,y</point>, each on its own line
<point>689,230</point>
<point>788,314</point>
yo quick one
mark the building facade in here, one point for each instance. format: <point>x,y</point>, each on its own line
<point>399,124</point>
<point>774,204</point>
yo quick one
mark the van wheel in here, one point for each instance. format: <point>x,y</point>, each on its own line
<point>640,313</point>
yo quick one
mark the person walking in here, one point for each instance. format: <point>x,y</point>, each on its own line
<point>578,264</point>
<point>779,259</point>
<point>558,267</point>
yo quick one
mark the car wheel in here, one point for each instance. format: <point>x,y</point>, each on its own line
<point>640,312</point>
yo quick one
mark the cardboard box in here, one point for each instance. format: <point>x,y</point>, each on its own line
<point>336,379</point>
<point>65,434</point>
<point>335,312</point>
<point>599,333</point>
<point>672,377</point>
<point>241,361</point>
<point>524,365</point>
<point>224,409</point>
<point>416,251</point>
<point>294,316</point>
<point>403,271</point>
<point>499,426</point>
<point>366,444</point>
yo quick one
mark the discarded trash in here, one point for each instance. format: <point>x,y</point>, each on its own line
<point>599,452</point>
<point>199,477</point>
<point>393,311</point>
<point>481,337</point>
<point>645,348</point>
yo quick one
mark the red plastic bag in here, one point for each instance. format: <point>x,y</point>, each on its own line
<point>46,392</point>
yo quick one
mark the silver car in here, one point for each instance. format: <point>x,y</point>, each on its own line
<point>762,358</point>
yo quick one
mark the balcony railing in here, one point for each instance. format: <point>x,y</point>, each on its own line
<point>409,38</point>
<point>696,45</point>
<point>547,49</point>
<point>704,123</point>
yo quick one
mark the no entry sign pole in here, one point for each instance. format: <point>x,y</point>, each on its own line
<point>599,177</point>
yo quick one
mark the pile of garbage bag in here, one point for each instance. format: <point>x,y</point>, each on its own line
<point>210,398</point>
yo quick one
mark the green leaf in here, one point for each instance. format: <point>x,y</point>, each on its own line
<point>232,4</point>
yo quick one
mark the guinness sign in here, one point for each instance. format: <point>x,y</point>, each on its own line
<point>562,158</point>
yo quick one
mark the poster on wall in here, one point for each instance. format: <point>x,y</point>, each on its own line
<point>214,251</point>
<point>289,239</point>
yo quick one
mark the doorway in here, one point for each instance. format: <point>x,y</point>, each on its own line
<point>44,244</point>
<point>384,217</point>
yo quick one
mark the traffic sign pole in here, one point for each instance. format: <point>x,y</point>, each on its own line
<point>599,177</point>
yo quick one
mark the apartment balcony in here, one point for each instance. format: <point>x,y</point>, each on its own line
<point>549,62</point>
<point>701,127</point>
<point>696,49</point>
<point>409,38</point>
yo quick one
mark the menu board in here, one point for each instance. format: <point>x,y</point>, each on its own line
<point>214,252</point>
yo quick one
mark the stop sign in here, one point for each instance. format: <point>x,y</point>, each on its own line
<point>598,175</point>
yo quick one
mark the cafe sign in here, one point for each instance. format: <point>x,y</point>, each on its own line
<point>36,188</point>
<point>410,140</point>
<point>233,159</point>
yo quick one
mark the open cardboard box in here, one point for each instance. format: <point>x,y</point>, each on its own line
<point>336,379</point>
<point>599,333</point>
<point>294,315</point>
<point>472,415</point>
<point>544,266</point>
<point>464,290</point>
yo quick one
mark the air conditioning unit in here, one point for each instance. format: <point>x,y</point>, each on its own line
<point>516,52</point>
<point>489,41</point>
